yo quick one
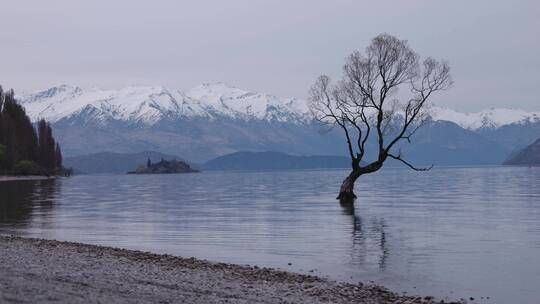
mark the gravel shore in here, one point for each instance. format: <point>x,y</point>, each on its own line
<point>45,271</point>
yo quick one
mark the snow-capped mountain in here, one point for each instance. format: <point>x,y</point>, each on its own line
<point>148,105</point>
<point>222,99</point>
<point>492,118</point>
<point>216,119</point>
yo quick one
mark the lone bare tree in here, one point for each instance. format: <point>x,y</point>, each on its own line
<point>365,102</point>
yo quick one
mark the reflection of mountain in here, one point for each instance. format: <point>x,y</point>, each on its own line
<point>20,201</point>
<point>368,238</point>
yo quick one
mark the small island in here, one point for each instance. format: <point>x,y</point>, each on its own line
<point>164,167</point>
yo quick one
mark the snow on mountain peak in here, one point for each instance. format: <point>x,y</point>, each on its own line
<point>232,101</point>
<point>150,104</point>
<point>490,118</point>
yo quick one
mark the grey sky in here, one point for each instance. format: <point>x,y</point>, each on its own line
<point>278,47</point>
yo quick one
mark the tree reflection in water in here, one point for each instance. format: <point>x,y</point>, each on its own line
<point>368,238</point>
<point>22,201</point>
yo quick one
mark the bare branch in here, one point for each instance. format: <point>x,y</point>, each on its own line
<point>365,101</point>
<point>398,157</point>
<point>324,108</point>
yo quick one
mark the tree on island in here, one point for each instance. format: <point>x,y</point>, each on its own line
<point>365,103</point>
<point>23,151</point>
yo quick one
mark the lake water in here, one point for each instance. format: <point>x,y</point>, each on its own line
<point>450,232</point>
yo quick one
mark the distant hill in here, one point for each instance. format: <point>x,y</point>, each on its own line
<point>444,143</point>
<point>529,156</point>
<point>263,161</point>
<point>110,162</point>
<point>513,137</point>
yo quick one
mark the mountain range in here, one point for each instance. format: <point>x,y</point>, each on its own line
<point>215,119</point>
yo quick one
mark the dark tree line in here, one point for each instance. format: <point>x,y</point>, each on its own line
<point>25,150</point>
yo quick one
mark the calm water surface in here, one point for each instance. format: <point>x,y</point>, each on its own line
<point>450,232</point>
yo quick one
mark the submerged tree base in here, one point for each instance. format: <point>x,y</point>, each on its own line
<point>346,191</point>
<point>346,196</point>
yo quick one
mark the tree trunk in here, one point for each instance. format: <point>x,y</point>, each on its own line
<point>346,192</point>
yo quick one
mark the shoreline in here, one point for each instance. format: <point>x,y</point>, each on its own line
<point>39,270</point>
<point>7,178</point>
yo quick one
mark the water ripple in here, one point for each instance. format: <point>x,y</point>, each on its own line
<point>469,231</point>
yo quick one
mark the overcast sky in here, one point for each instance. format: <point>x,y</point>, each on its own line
<point>278,47</point>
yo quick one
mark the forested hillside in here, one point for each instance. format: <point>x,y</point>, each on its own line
<point>25,150</point>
